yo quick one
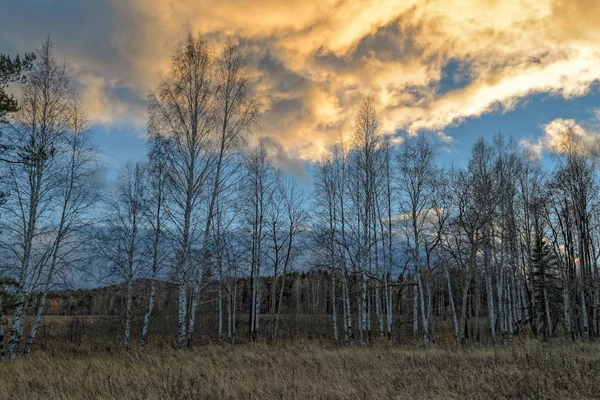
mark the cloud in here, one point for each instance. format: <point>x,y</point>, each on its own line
<point>561,134</point>
<point>533,149</point>
<point>430,65</point>
<point>558,132</point>
<point>282,159</point>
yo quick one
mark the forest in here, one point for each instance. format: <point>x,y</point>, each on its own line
<point>208,240</point>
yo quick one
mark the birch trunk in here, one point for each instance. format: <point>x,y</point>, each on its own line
<point>524,304</point>
<point>16,329</point>
<point>465,294</point>
<point>183,267</point>
<point>181,308</point>
<point>159,174</point>
<point>194,303</point>
<point>389,307</point>
<point>257,308</point>
<point>220,306</point>
<point>379,311</point>
<point>128,313</point>
<point>334,309</point>
<point>491,310</point>
<point>424,311</point>
<point>518,302</point>
<point>42,303</point>
<point>229,316</point>
<point>280,303</point>
<point>500,291</point>
<point>452,308</point>
<point>584,314</point>
<point>369,307</point>
<point>233,313</point>
<point>596,300</point>
<point>415,309</point>
<point>144,337</point>
<point>2,323</point>
<point>347,314</point>
<point>567,308</point>
<point>363,309</point>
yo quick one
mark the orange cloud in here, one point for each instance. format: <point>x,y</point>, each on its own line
<point>312,61</point>
<point>587,139</point>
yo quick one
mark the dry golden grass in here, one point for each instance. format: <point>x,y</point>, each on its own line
<point>312,371</point>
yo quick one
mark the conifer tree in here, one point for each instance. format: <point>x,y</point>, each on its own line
<point>12,70</point>
<point>546,286</point>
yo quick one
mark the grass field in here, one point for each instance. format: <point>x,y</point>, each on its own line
<point>529,370</point>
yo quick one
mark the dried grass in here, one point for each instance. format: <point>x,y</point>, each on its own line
<point>529,370</point>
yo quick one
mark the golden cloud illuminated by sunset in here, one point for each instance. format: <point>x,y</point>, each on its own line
<point>314,60</point>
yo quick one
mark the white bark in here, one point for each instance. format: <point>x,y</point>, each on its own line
<point>347,311</point>
<point>490,297</point>
<point>566,307</point>
<point>379,311</point>
<point>2,323</point>
<point>128,313</point>
<point>415,290</point>
<point>220,307</point>
<point>424,310</point>
<point>452,308</point>
<point>146,326</point>
<point>230,314</point>
<point>334,308</point>
<point>584,314</point>
<point>363,309</point>
<point>500,292</point>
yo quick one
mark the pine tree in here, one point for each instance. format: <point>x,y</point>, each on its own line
<point>12,70</point>
<point>546,286</point>
<point>7,304</point>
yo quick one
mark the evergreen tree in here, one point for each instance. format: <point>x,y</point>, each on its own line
<point>12,70</point>
<point>7,304</point>
<point>546,286</point>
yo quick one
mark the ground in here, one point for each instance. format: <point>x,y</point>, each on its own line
<point>530,370</point>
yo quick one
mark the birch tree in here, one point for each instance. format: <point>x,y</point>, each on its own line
<point>121,243</point>
<point>326,234</point>
<point>182,112</point>
<point>366,163</point>
<point>44,118</point>
<point>76,196</point>
<point>418,178</point>
<point>259,189</point>
<point>469,222</point>
<point>293,222</point>
<point>155,215</point>
<point>235,113</point>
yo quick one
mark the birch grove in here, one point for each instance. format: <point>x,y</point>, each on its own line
<point>213,237</point>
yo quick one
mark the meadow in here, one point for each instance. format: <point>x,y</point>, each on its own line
<point>311,370</point>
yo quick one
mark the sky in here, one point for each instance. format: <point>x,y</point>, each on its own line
<point>455,70</point>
